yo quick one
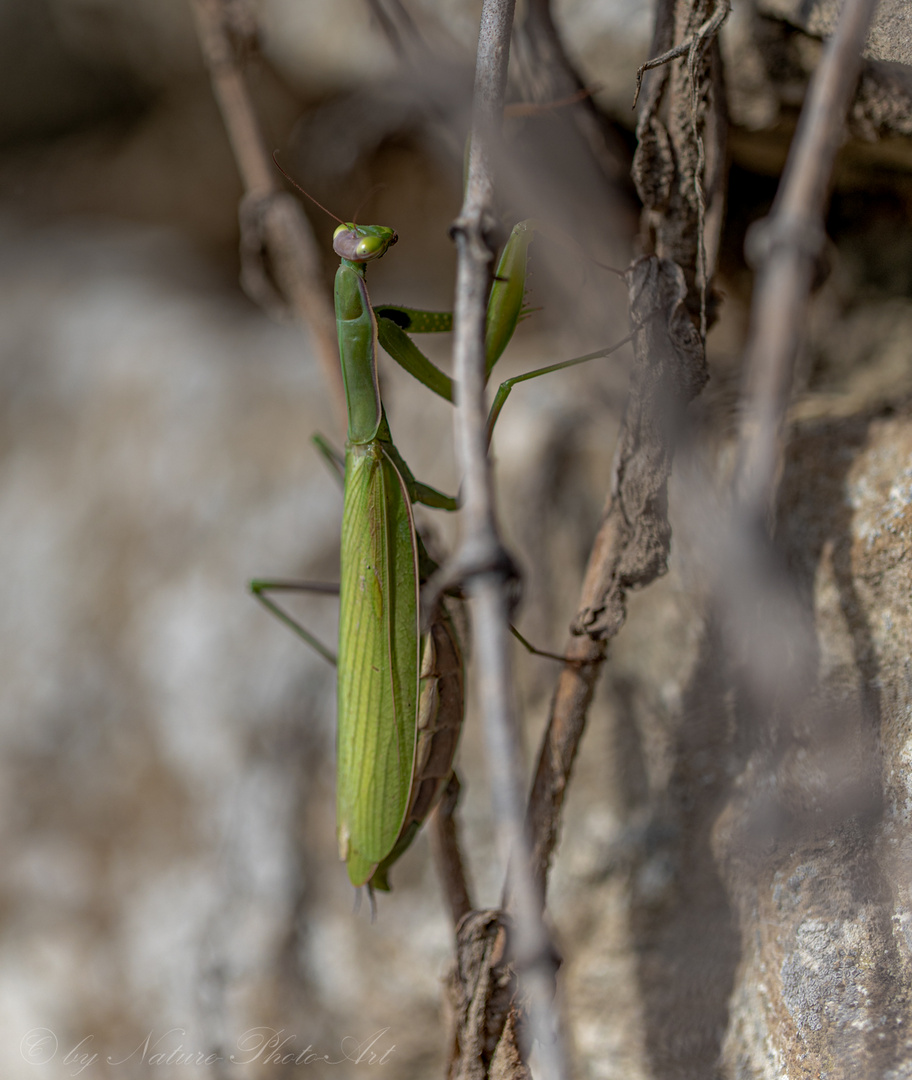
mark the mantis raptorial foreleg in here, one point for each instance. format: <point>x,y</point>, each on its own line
<point>505,310</point>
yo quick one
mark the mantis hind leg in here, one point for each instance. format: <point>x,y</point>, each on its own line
<point>406,353</point>
<point>261,586</point>
<point>533,651</point>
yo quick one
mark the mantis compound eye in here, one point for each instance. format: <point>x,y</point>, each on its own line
<point>360,243</point>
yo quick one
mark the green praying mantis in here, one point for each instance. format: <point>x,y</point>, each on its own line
<point>400,692</point>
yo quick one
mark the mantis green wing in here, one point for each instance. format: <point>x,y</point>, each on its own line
<point>440,713</point>
<point>378,660</point>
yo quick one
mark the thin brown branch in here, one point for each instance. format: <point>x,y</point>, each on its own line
<point>632,544</point>
<point>281,228</point>
<point>560,742</point>
<point>785,249</point>
<point>447,854</point>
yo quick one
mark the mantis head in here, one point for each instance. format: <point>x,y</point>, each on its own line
<point>361,243</point>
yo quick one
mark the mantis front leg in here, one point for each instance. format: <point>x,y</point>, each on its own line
<point>506,308</point>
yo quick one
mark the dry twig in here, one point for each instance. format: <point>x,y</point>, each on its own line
<point>481,561</point>
<point>679,166</point>
<point>447,854</point>
<point>785,248</point>
<point>272,221</point>
<point>632,544</point>
<point>631,548</point>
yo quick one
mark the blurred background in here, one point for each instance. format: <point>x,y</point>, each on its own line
<point>170,883</point>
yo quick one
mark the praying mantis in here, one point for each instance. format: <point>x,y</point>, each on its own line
<point>400,692</point>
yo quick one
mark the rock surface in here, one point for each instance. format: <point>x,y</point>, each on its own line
<point>731,894</point>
